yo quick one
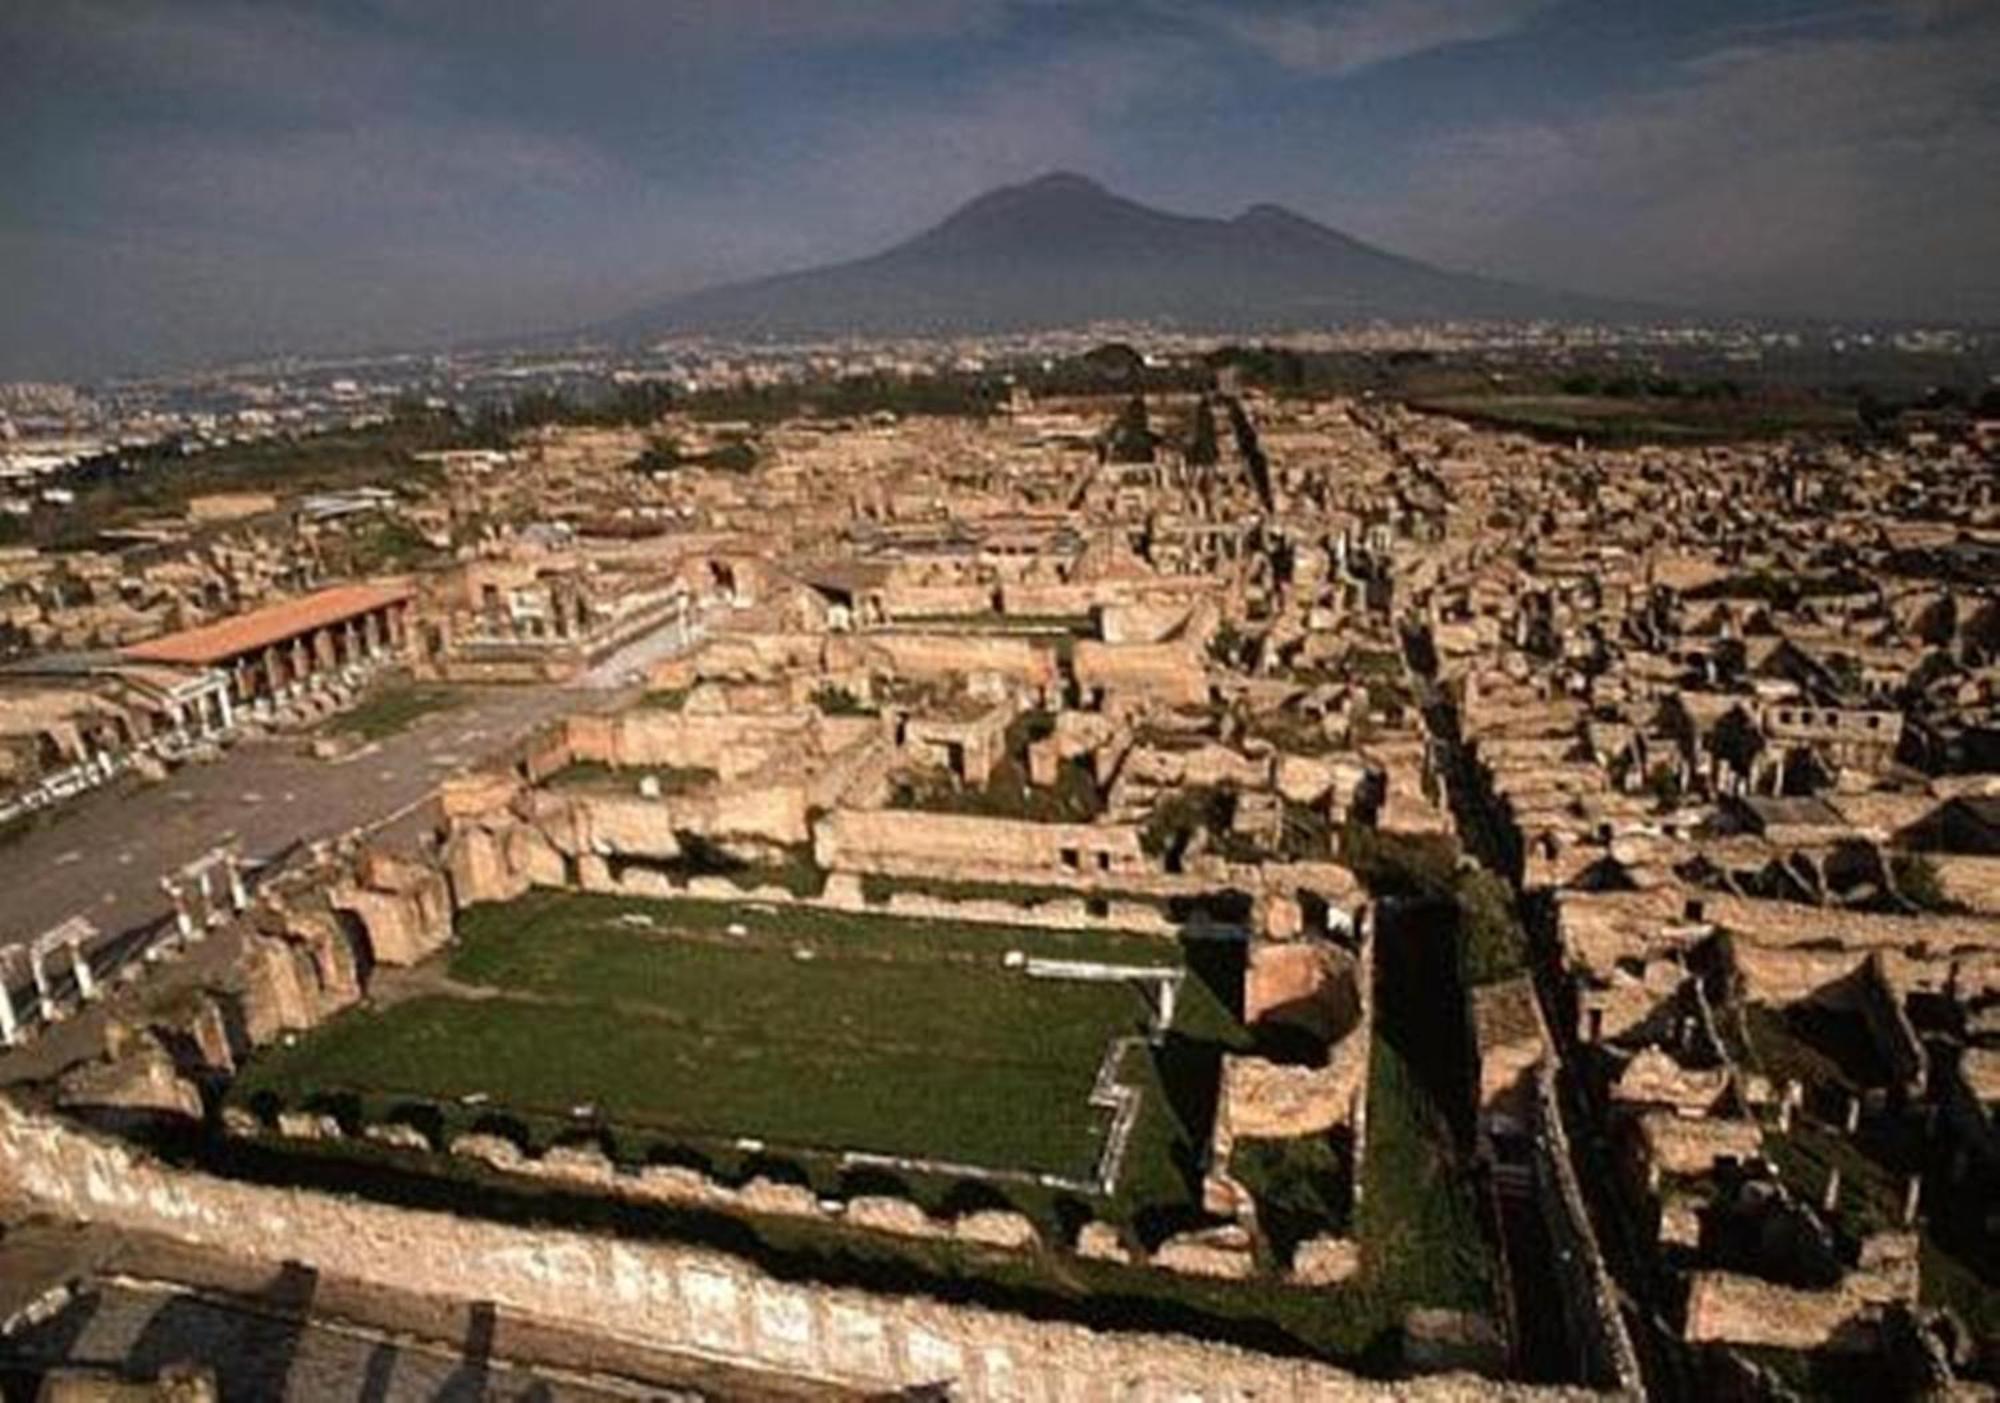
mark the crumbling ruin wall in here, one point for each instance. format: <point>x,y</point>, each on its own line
<point>1730,1308</point>
<point>1172,674</point>
<point>405,907</point>
<point>1889,1027</point>
<point>732,746</point>
<point>660,1295</point>
<point>642,827</point>
<point>942,655</point>
<point>914,843</point>
<point>1781,977</point>
<point>1605,1355</point>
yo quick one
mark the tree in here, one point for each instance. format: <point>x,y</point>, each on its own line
<point>1131,439</point>
<point>1202,451</point>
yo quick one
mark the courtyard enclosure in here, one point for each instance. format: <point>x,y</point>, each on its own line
<point>802,1030</point>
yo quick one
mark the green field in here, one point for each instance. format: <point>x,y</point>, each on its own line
<point>808,1032</point>
<point>392,710</point>
<point>1610,421</point>
<point>1009,1065</point>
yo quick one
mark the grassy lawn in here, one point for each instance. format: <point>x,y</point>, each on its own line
<point>392,709</point>
<point>1621,421</point>
<point>1303,1187</point>
<point>908,1034</point>
<point>899,1038</point>
<point>1422,1241</point>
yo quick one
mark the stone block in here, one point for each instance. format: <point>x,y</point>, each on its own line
<point>996,1227</point>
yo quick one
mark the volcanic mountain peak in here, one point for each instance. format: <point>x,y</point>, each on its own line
<point>1062,250</point>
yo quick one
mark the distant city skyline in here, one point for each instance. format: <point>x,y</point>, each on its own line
<point>195,181</point>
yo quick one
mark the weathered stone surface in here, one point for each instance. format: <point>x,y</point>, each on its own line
<point>308,1125</point>
<point>178,1383</point>
<point>405,923</point>
<point>670,1296</point>
<point>772,1196</point>
<point>884,1213</point>
<point>1325,1261</point>
<point>398,1135</point>
<point>1101,1242</point>
<point>477,865</point>
<point>1725,1306</point>
<point>1223,1252</point>
<point>279,993</point>
<point>995,1227</point>
<point>142,1079</point>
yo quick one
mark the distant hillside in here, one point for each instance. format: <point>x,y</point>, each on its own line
<point>1062,250</point>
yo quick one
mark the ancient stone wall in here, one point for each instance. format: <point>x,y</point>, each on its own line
<point>1595,1329</point>
<point>1728,1307</point>
<point>636,826</point>
<point>1170,673</point>
<point>732,746</point>
<point>941,655</point>
<point>914,843</point>
<point>660,1295</point>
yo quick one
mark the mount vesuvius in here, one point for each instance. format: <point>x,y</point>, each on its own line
<point>1061,251</point>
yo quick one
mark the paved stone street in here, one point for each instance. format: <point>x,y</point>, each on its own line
<point>102,855</point>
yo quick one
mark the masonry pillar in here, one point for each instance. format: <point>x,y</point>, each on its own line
<point>1170,993</point>
<point>86,983</point>
<point>209,915</point>
<point>10,1024</point>
<point>183,921</point>
<point>239,899</point>
<point>45,998</point>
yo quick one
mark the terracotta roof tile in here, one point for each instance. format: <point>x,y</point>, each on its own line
<point>274,623</point>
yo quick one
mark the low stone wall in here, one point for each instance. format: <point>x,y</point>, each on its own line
<point>660,1295</point>
<point>907,842</point>
<point>1728,1308</point>
<point>1604,1352</point>
<point>732,746</point>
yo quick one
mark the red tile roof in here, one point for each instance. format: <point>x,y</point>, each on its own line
<point>274,623</point>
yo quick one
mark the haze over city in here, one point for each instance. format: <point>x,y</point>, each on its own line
<point>197,181</point>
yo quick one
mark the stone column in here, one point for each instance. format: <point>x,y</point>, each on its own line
<point>86,983</point>
<point>10,1024</point>
<point>45,998</point>
<point>209,915</point>
<point>183,921</point>
<point>239,899</point>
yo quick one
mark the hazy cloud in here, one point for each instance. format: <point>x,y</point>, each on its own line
<point>1348,35</point>
<point>197,177</point>
<point>1796,176</point>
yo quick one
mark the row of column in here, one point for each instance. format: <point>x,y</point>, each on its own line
<point>196,880</point>
<point>280,669</point>
<point>205,894</point>
<point>70,936</point>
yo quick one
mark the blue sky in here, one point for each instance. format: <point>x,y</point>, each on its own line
<point>189,180</point>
